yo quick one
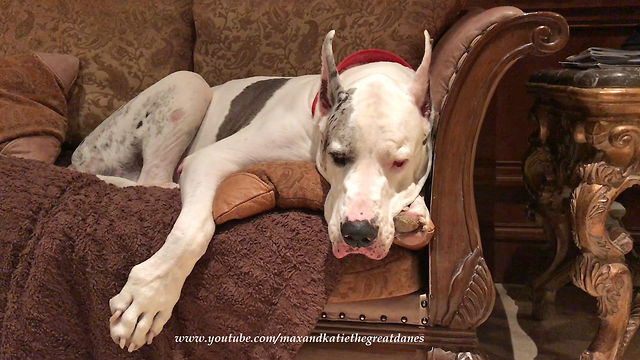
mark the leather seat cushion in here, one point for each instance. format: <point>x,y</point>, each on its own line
<point>365,279</point>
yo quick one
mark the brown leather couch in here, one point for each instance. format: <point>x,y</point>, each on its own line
<point>443,292</point>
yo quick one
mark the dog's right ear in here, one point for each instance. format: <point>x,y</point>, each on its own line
<point>330,86</point>
<point>419,88</point>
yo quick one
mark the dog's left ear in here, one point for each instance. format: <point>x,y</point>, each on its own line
<point>419,89</point>
<point>330,86</point>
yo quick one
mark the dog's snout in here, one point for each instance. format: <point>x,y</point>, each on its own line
<point>359,233</point>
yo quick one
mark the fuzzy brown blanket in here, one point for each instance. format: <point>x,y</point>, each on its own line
<point>68,242</point>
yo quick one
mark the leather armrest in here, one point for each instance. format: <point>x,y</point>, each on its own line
<point>456,262</point>
<point>451,49</point>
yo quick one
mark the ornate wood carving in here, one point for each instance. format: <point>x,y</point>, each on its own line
<point>472,294</point>
<point>453,204</point>
<point>588,137</point>
<point>632,325</point>
<point>601,270</point>
<point>591,204</point>
<point>548,176</point>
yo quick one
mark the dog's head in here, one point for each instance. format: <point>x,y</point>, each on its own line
<point>374,148</point>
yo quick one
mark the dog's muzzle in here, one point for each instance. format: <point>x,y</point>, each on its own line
<point>359,233</point>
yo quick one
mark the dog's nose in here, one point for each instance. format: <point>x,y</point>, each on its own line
<point>358,233</point>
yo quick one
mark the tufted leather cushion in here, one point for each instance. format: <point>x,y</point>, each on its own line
<point>242,38</point>
<point>365,279</point>
<point>124,46</point>
<point>33,107</point>
<point>404,309</point>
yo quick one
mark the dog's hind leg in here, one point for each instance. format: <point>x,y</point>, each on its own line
<point>178,116</point>
<point>144,140</point>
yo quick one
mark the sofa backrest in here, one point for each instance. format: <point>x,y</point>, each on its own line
<point>124,46</point>
<point>242,38</point>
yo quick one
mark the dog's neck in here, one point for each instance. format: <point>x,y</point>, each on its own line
<point>360,58</point>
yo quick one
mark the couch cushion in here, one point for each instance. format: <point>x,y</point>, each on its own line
<point>410,309</point>
<point>364,279</point>
<point>241,38</point>
<point>33,104</point>
<point>264,186</point>
<point>124,46</point>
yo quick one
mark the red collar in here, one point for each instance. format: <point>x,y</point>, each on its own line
<point>364,57</point>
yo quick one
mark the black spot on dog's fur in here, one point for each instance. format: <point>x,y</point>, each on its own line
<point>140,124</point>
<point>339,127</point>
<point>247,105</point>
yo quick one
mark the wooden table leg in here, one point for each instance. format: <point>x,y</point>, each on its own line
<point>632,325</point>
<point>549,200</point>
<point>601,270</point>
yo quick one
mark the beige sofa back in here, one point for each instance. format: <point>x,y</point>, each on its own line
<point>124,46</point>
<point>241,38</point>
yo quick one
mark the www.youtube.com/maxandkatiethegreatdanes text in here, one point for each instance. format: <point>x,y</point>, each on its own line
<point>320,338</point>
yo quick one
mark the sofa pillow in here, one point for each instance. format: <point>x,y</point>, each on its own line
<point>124,46</point>
<point>33,104</point>
<point>242,38</point>
<point>264,186</point>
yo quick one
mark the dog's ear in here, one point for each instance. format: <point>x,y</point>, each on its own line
<point>419,89</point>
<point>330,86</point>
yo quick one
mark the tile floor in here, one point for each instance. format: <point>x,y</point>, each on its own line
<point>511,333</point>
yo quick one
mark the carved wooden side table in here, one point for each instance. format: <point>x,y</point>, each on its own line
<point>585,152</point>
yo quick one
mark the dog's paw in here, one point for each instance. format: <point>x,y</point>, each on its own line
<point>164,184</point>
<point>169,185</point>
<point>140,310</point>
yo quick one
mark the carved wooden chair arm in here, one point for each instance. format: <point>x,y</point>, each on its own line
<point>461,287</point>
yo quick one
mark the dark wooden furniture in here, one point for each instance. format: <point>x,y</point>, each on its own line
<point>512,244</point>
<point>585,152</point>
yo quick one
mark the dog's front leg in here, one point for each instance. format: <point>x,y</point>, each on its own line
<point>145,303</point>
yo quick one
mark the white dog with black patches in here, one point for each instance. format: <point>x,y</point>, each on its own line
<point>368,129</point>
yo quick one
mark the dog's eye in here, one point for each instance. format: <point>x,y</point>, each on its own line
<point>339,159</point>
<point>399,164</point>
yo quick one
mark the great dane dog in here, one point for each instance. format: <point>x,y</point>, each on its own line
<point>368,129</point>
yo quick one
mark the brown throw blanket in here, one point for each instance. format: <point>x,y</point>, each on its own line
<point>68,242</point>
